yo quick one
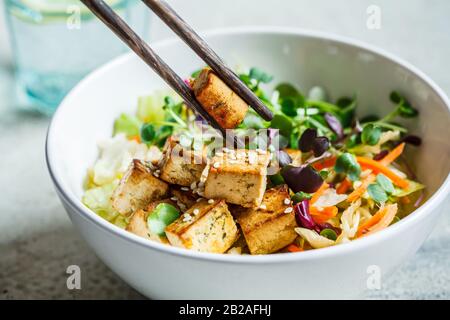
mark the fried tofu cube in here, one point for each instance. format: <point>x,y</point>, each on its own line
<point>238,177</point>
<point>179,165</point>
<point>207,226</point>
<point>222,103</point>
<point>270,227</point>
<point>296,156</point>
<point>184,198</point>
<point>137,189</point>
<point>138,222</point>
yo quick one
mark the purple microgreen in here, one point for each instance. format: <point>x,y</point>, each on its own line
<point>411,139</point>
<point>320,146</point>
<point>321,226</point>
<point>381,155</point>
<point>303,178</point>
<point>334,125</point>
<point>307,139</point>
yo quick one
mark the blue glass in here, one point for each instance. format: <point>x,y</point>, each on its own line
<point>57,42</point>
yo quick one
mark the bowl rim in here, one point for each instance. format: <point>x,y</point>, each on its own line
<point>74,203</point>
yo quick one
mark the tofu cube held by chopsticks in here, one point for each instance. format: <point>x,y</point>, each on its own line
<point>222,103</point>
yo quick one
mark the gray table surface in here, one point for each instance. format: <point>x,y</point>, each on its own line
<point>37,240</point>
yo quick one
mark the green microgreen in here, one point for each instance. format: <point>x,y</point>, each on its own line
<point>346,163</point>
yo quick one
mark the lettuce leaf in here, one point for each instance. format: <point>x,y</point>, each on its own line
<point>98,199</point>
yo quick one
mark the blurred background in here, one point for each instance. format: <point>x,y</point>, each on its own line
<point>44,52</point>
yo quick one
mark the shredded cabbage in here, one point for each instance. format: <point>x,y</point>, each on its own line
<point>329,198</point>
<point>314,239</point>
<point>349,222</point>
<point>116,154</point>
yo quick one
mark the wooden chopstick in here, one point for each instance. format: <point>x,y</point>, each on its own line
<point>143,50</point>
<point>193,40</point>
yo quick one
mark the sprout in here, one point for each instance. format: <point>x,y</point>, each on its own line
<point>346,163</point>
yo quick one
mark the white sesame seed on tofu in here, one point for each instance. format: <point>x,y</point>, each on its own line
<point>185,188</point>
<point>193,185</point>
<point>196,212</point>
<point>252,157</point>
<point>287,201</point>
<point>156,175</point>
<point>260,151</point>
<point>174,198</point>
<point>263,206</point>
<point>216,165</point>
<point>199,199</point>
<point>211,201</point>
<point>288,210</point>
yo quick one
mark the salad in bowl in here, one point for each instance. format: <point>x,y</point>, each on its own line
<point>314,176</point>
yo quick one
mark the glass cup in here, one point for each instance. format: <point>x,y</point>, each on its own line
<point>57,42</point>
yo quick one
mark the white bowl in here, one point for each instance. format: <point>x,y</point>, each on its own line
<point>344,67</point>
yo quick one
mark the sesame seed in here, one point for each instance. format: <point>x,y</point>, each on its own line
<point>201,193</point>
<point>174,198</point>
<point>201,184</point>
<point>288,210</point>
<point>211,201</point>
<point>252,158</point>
<point>156,175</point>
<point>198,200</point>
<point>185,188</point>
<point>260,151</point>
<point>158,171</point>
<point>263,206</point>
<point>216,165</point>
<point>196,212</point>
<point>187,218</point>
<point>287,201</point>
<point>193,185</point>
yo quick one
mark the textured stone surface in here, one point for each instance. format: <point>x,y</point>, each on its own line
<point>37,241</point>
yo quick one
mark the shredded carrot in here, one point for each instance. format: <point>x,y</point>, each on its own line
<point>343,186</point>
<point>135,138</point>
<point>294,248</point>
<point>321,216</point>
<point>394,154</point>
<point>377,167</point>
<point>318,193</point>
<point>382,219</point>
<point>358,192</point>
<point>325,163</point>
